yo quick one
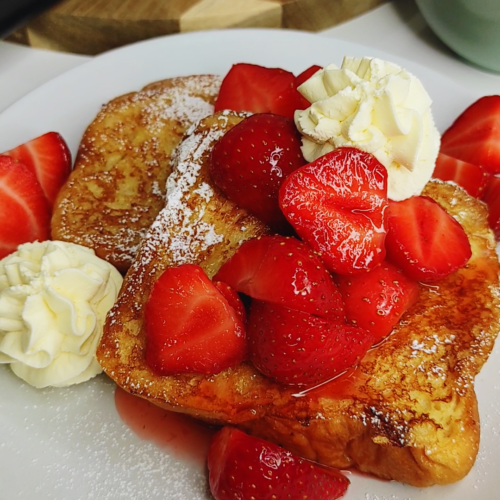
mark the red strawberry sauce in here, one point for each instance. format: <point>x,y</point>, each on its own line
<point>180,435</point>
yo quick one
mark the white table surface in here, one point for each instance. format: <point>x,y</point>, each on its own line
<point>396,28</point>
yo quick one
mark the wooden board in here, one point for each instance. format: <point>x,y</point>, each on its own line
<point>94,26</point>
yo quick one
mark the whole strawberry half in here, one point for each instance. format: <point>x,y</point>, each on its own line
<point>248,468</point>
<point>472,178</point>
<point>298,348</point>
<point>254,88</point>
<point>337,204</point>
<point>376,300</point>
<point>474,137</point>
<point>252,160</point>
<point>24,210</point>
<point>49,158</point>
<point>424,240</point>
<point>190,325</point>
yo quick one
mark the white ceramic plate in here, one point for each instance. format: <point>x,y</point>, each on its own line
<point>71,443</point>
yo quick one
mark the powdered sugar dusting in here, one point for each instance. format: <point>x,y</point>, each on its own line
<point>181,103</point>
<point>118,186</point>
<point>180,225</point>
<point>75,446</point>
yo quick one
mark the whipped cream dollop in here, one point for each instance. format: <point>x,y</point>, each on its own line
<point>54,297</point>
<point>375,106</point>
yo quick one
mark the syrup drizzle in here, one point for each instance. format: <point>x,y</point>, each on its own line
<point>180,435</point>
<point>305,392</point>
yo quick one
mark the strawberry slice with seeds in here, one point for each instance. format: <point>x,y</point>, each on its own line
<point>467,175</point>
<point>49,158</point>
<point>376,300</point>
<point>337,204</point>
<point>249,87</point>
<point>248,468</point>
<point>284,271</point>
<point>190,326</point>
<point>474,137</point>
<point>24,211</point>
<point>252,160</point>
<point>424,240</point>
<point>297,348</point>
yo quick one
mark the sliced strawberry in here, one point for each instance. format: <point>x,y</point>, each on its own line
<point>337,204</point>
<point>491,197</point>
<point>24,211</point>
<point>467,175</point>
<point>424,240</point>
<point>190,326</point>
<point>474,137</point>
<point>248,468</point>
<point>248,87</point>
<point>283,271</point>
<point>252,160</point>
<point>297,348</point>
<point>376,300</point>
<point>233,299</point>
<point>48,156</point>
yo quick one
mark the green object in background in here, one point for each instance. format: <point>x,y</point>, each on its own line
<point>469,27</point>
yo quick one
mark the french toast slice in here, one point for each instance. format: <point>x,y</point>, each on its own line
<point>117,186</point>
<point>408,412</point>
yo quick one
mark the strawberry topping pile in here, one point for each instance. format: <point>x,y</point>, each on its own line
<point>296,327</point>
<point>315,305</point>
<point>30,178</point>
<point>337,277</point>
<point>245,467</point>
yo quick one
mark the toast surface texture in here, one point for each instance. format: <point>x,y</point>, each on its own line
<point>117,186</point>
<point>408,412</point>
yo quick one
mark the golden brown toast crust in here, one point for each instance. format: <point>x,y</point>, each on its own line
<point>198,224</point>
<point>408,412</point>
<point>117,186</point>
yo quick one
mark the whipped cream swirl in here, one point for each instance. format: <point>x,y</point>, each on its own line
<point>54,297</point>
<point>375,106</point>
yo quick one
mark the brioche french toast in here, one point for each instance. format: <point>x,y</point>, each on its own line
<point>117,186</point>
<point>408,412</point>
